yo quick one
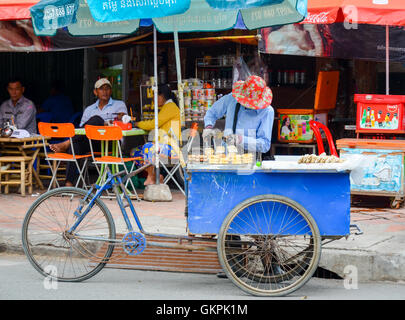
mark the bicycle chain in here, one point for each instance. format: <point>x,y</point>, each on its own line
<point>114,258</point>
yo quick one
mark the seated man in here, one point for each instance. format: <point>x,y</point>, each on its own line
<point>18,110</point>
<point>104,110</point>
<point>58,104</point>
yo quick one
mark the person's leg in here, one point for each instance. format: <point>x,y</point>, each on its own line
<point>81,146</point>
<point>148,152</point>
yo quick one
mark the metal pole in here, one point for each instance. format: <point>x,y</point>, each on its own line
<point>387,60</point>
<point>179,80</point>
<point>155,95</point>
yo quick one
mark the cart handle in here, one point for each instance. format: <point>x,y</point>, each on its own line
<point>193,129</point>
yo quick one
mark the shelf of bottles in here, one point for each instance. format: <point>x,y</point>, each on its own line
<point>199,96</point>
<point>147,102</point>
<point>216,71</point>
<point>287,77</point>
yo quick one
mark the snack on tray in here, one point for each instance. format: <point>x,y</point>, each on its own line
<point>236,159</point>
<point>322,158</point>
<point>220,150</point>
<point>213,159</point>
<point>208,151</point>
<point>232,149</point>
<point>197,158</point>
<point>247,158</point>
<point>224,160</point>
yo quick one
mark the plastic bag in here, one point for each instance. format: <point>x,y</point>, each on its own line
<point>240,70</point>
<point>258,68</point>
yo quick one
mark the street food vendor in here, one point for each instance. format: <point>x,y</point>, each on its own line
<point>248,115</point>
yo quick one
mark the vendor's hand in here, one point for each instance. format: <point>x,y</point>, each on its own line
<point>209,132</point>
<point>234,139</point>
<point>120,115</point>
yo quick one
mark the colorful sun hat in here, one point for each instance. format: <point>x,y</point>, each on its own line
<point>253,93</point>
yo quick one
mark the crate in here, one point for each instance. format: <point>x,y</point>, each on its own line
<point>380,113</point>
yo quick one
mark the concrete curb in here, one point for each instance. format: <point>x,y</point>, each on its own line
<point>366,266</point>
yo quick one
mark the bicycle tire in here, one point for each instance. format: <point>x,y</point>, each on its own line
<point>269,245</point>
<point>44,236</point>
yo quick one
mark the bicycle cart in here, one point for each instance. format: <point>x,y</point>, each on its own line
<point>268,223</point>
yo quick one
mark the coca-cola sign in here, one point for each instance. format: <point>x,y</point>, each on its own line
<point>319,18</point>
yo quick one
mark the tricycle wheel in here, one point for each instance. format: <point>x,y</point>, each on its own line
<point>269,245</point>
<point>395,203</point>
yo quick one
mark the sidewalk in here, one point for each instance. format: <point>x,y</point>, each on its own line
<point>378,254</point>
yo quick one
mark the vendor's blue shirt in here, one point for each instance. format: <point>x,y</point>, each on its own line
<point>109,112</point>
<point>255,126</point>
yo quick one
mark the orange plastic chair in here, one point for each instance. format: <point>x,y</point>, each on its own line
<point>316,126</point>
<point>61,130</point>
<point>109,133</point>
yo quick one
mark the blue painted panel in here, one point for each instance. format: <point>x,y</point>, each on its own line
<point>212,195</point>
<point>382,170</point>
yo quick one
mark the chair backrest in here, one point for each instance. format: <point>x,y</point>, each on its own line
<point>103,132</point>
<point>75,118</point>
<point>316,126</point>
<point>56,130</point>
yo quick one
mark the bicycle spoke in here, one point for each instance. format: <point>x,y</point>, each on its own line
<point>269,246</point>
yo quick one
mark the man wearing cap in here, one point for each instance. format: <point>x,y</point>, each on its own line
<point>105,107</point>
<point>248,115</point>
<point>18,110</point>
<point>100,113</point>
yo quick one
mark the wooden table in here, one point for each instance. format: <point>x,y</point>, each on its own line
<point>25,147</point>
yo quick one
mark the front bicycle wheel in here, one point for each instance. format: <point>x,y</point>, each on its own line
<point>57,253</point>
<point>269,245</point>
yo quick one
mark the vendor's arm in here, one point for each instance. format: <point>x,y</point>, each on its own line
<point>168,112</point>
<point>218,110</point>
<point>262,142</point>
<point>1,115</point>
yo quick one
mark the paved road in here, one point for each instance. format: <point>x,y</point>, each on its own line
<point>19,280</point>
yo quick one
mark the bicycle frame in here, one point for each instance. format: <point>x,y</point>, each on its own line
<point>114,181</point>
